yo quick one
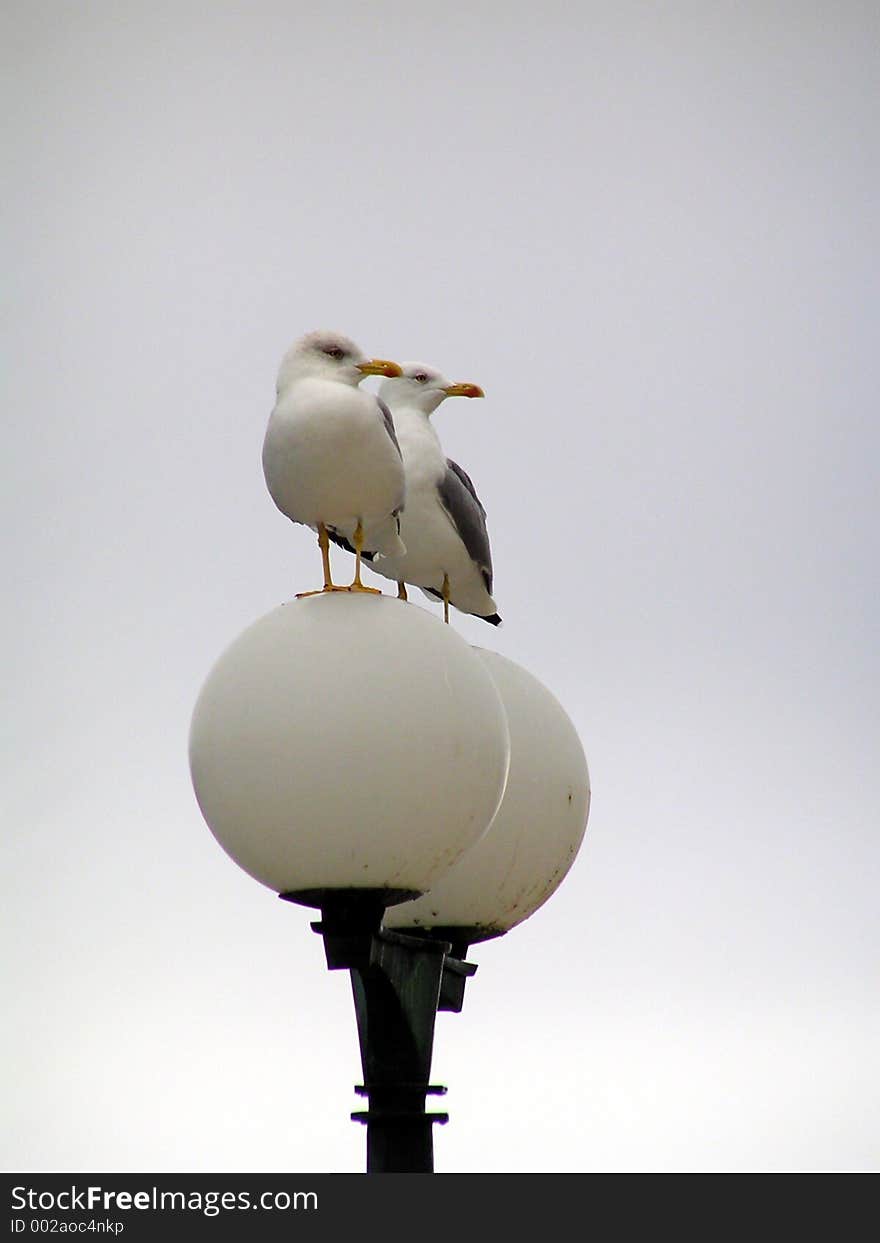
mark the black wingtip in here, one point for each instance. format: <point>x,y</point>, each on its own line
<point>494,620</point>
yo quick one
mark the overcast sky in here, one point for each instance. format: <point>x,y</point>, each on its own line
<point>650,232</point>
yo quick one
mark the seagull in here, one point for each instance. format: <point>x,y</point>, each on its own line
<point>330,456</point>
<point>444,523</point>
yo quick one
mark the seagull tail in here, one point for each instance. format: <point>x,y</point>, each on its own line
<point>494,620</point>
<point>342,542</point>
<point>386,541</point>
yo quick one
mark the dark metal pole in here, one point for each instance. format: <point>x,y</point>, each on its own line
<point>399,982</point>
<point>396,997</point>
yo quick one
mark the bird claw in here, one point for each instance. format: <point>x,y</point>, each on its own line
<point>302,595</point>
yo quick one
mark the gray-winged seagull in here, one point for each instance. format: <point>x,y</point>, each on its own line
<point>330,456</point>
<point>444,523</point>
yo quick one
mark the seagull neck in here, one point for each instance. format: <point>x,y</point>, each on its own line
<point>414,429</point>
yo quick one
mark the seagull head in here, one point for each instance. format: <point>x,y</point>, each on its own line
<point>423,388</point>
<point>330,356</point>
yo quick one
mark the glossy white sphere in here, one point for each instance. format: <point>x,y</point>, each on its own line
<point>537,832</point>
<point>348,741</point>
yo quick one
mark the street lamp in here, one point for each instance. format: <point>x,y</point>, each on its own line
<point>350,753</point>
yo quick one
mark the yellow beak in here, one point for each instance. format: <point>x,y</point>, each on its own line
<point>464,390</point>
<point>379,366</point>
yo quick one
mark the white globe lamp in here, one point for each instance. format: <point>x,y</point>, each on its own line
<point>535,835</point>
<point>349,744</point>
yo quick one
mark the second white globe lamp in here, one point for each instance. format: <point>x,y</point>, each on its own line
<point>536,834</point>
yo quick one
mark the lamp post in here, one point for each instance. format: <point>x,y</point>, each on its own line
<point>350,753</point>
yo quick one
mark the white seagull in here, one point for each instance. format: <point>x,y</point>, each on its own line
<point>330,456</point>
<point>444,524</point>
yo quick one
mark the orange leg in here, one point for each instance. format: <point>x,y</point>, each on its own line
<point>357,585</point>
<point>324,545</point>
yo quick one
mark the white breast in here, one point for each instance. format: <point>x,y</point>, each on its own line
<point>327,457</point>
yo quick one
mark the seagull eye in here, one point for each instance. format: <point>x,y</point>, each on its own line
<point>421,377</point>
<point>334,351</point>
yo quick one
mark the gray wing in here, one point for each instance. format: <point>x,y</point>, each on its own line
<point>389,424</point>
<point>458,497</point>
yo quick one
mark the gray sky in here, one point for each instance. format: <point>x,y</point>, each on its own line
<point>650,233</point>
